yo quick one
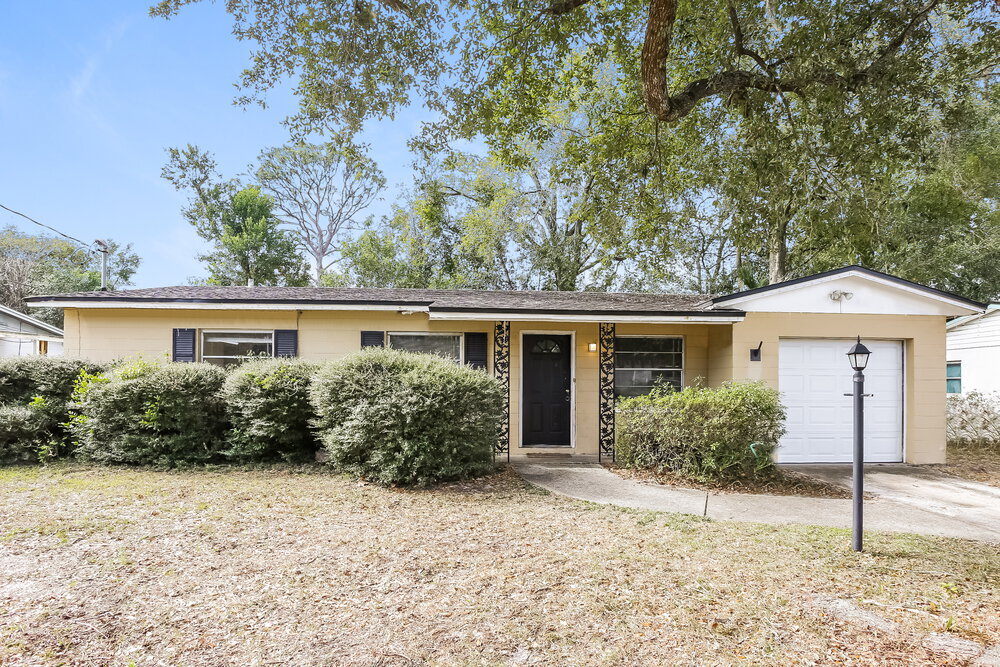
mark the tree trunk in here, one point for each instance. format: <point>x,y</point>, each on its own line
<point>777,253</point>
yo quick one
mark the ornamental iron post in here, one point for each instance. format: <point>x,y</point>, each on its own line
<point>858,356</point>
<point>606,391</point>
<point>501,370</point>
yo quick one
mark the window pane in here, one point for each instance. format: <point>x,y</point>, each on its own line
<point>235,344</point>
<point>955,370</point>
<point>954,386</point>
<point>644,363</point>
<point>447,345</point>
<point>629,344</point>
<point>638,383</point>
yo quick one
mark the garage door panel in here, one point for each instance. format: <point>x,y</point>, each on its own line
<point>813,378</point>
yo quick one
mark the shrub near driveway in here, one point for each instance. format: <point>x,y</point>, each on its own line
<point>159,414</point>
<point>267,402</point>
<point>705,434</point>
<point>395,417</point>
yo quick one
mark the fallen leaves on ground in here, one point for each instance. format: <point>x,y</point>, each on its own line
<point>274,566</point>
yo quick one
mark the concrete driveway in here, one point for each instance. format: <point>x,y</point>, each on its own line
<point>921,487</point>
<point>910,512</point>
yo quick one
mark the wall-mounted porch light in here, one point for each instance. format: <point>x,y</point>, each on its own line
<point>592,347</point>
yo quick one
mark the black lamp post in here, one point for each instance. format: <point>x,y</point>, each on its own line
<point>858,356</point>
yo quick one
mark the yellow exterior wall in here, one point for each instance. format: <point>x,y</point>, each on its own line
<point>712,352</point>
<point>107,334</point>
<point>923,338</point>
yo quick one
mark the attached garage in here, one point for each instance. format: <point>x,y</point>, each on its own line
<point>813,376</point>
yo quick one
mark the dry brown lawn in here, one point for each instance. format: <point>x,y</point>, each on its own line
<point>979,464</point>
<point>276,566</point>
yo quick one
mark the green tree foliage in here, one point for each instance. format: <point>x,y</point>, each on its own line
<point>248,245</point>
<point>252,249</point>
<point>797,122</point>
<point>320,191</point>
<point>32,264</point>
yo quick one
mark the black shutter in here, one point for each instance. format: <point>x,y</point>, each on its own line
<point>286,343</point>
<point>475,349</point>
<point>372,339</point>
<point>183,348</point>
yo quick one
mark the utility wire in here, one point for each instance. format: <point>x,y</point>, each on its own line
<point>40,224</point>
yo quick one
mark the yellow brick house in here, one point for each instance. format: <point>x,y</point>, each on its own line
<point>565,356</point>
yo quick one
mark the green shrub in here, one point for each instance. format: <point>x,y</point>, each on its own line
<point>45,385</point>
<point>24,432</point>
<point>160,414</point>
<point>705,434</point>
<point>393,417</point>
<point>267,401</point>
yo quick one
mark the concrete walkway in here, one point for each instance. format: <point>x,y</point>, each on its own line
<point>594,483</point>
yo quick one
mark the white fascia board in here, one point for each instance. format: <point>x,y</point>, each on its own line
<point>175,305</point>
<point>45,326</point>
<point>916,291</point>
<point>610,317</point>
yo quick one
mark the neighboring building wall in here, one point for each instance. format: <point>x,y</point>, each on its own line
<point>924,342</point>
<point>14,345</point>
<point>977,346</point>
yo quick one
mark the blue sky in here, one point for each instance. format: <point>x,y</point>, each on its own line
<point>91,95</point>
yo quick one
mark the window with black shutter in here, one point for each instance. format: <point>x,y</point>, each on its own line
<point>475,349</point>
<point>286,343</point>
<point>372,339</point>
<point>183,345</point>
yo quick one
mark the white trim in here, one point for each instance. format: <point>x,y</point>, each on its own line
<point>461,340</point>
<point>912,289</point>
<point>31,320</point>
<point>572,390</point>
<point>683,368</point>
<point>173,305</point>
<point>583,317</point>
<point>475,316</point>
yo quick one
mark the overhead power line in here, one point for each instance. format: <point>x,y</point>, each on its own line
<point>41,224</point>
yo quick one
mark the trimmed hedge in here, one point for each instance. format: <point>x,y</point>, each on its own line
<point>24,431</point>
<point>35,393</point>
<point>705,434</point>
<point>397,418</point>
<point>160,414</point>
<point>267,402</point>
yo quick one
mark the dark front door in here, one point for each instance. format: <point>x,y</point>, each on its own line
<point>546,386</point>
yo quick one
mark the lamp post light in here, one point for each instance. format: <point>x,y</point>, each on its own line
<point>858,356</point>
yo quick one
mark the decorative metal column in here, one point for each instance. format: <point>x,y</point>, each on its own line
<point>606,392</point>
<point>501,370</point>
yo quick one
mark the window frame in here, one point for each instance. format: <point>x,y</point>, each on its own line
<point>948,378</point>
<point>461,341</point>
<point>682,369</point>
<point>200,342</point>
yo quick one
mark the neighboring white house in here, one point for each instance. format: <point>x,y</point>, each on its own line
<point>974,352</point>
<point>22,335</point>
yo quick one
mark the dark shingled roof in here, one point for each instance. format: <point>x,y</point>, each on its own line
<point>435,300</point>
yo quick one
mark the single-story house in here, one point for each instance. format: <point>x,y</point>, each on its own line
<point>22,335</point>
<point>974,352</point>
<point>564,356</point>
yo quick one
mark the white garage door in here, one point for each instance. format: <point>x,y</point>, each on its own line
<point>813,376</point>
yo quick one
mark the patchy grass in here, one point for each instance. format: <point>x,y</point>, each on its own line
<point>202,567</point>
<point>777,483</point>
<point>980,464</point>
